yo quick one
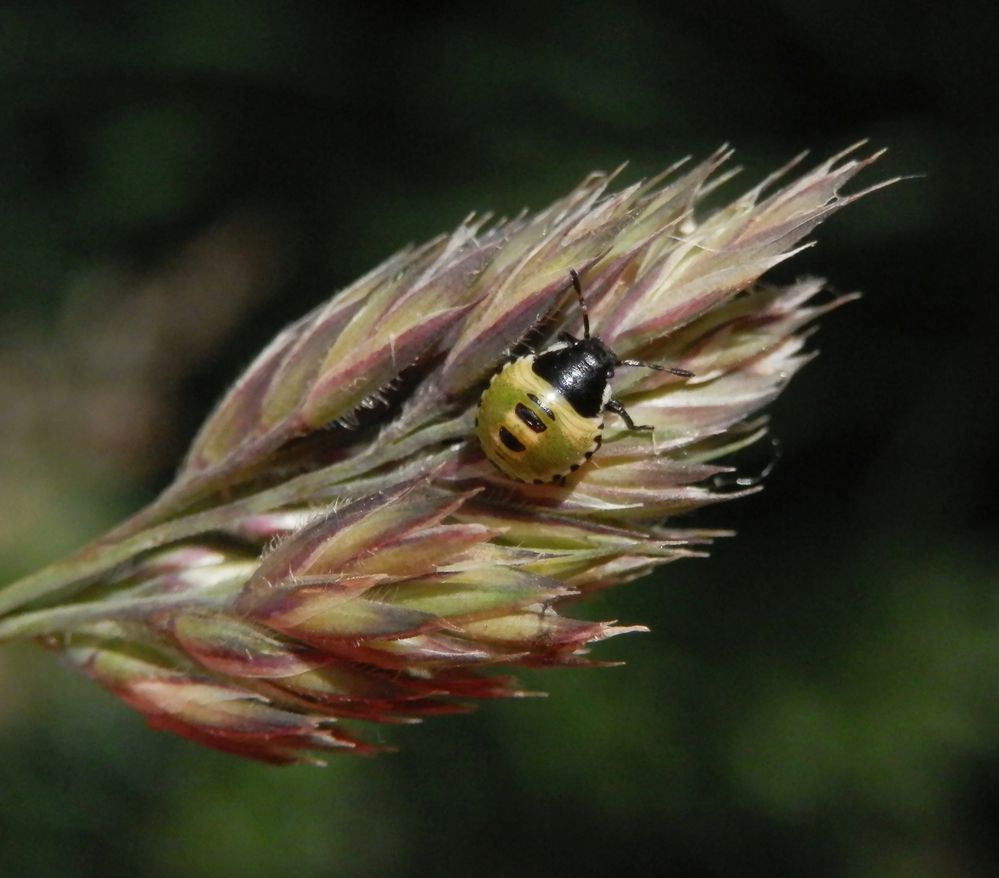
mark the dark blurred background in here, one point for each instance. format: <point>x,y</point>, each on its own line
<point>819,698</point>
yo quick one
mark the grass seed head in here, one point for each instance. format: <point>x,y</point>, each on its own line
<point>335,546</point>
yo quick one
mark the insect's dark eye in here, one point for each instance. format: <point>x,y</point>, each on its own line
<point>510,441</point>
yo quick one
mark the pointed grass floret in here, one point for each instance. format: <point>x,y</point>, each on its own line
<point>337,547</point>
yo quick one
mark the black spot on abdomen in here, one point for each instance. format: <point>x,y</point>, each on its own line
<point>529,418</point>
<point>533,398</point>
<point>511,441</point>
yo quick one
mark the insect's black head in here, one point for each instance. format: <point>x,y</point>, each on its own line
<point>595,354</point>
<point>579,369</point>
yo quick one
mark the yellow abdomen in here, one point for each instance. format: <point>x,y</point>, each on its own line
<point>529,430</point>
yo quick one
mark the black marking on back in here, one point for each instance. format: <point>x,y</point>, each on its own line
<point>580,372</point>
<point>511,441</point>
<point>529,418</point>
<point>533,398</point>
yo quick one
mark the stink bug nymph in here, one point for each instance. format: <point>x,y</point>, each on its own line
<point>542,415</point>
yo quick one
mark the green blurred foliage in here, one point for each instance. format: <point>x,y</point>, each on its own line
<point>818,698</point>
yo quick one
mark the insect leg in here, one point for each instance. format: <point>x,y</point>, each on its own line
<point>614,405</point>
<point>683,373</point>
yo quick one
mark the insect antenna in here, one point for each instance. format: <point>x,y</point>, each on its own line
<point>582,302</point>
<point>673,370</point>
